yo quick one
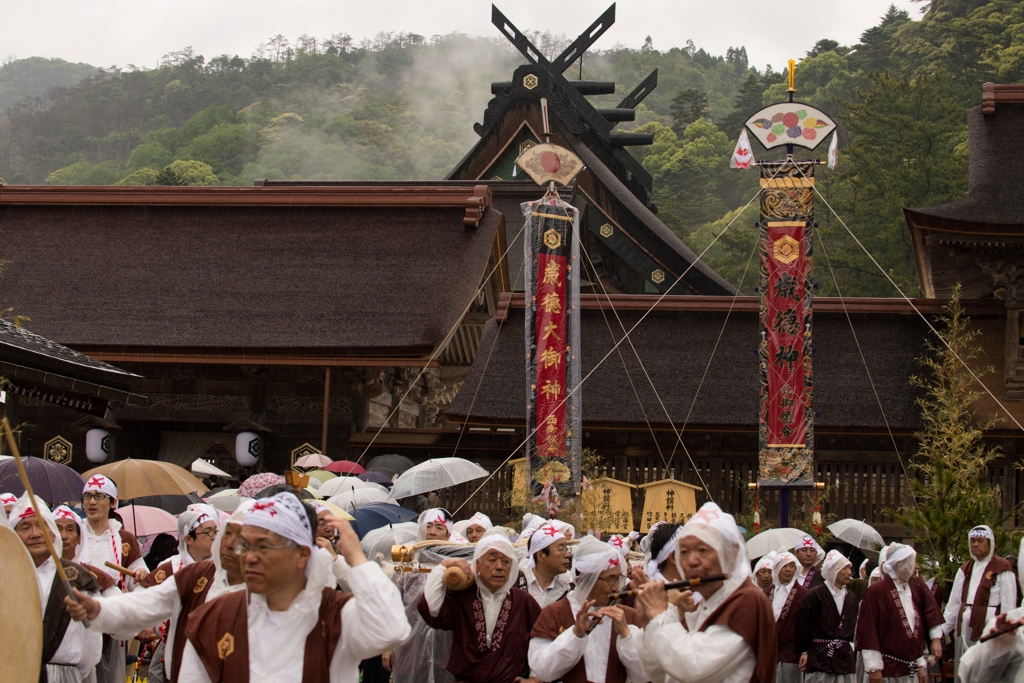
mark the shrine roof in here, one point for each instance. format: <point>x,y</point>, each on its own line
<point>383,271</point>
<point>677,345</point>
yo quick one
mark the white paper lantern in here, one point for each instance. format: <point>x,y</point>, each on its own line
<point>247,448</point>
<point>97,444</point>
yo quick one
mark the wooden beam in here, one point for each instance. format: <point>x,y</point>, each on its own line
<point>257,359</point>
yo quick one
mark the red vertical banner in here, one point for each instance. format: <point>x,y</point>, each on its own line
<point>549,355</point>
<point>784,314</point>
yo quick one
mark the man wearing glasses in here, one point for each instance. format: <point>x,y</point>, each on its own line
<point>582,637</point>
<point>287,625</point>
<point>103,538</point>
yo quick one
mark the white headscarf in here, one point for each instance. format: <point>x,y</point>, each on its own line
<point>534,522</point>
<point>480,520</point>
<point>645,542</point>
<point>718,529</point>
<point>653,565</point>
<point>593,557</point>
<point>189,521</point>
<point>863,565</point>
<point>619,543</point>
<point>809,542</point>
<point>64,512</point>
<point>205,509</point>
<point>563,527</point>
<point>541,539</point>
<point>500,543</point>
<point>781,593</point>
<point>220,578</point>
<point>900,563</point>
<point>432,516</point>
<point>23,509</point>
<point>765,562</point>
<point>834,563</point>
<point>102,484</point>
<point>983,532</point>
<point>7,499</point>
<point>285,515</point>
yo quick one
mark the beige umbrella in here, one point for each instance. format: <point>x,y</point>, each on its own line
<point>137,478</point>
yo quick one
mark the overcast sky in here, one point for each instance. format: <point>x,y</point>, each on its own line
<point>120,32</point>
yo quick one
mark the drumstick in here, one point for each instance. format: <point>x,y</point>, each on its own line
<point>119,568</point>
<point>689,583</point>
<point>1007,627</point>
<point>35,504</point>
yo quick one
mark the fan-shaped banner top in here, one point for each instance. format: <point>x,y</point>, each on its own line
<point>790,123</point>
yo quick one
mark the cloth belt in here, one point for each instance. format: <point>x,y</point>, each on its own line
<point>833,644</point>
<point>911,665</point>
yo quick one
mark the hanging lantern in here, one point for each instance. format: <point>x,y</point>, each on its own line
<point>247,448</point>
<point>97,444</point>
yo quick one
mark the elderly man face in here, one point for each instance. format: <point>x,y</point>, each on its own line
<point>229,560</point>
<point>608,582</point>
<point>764,577</point>
<point>554,559</point>
<point>786,573</point>
<point>844,576</point>
<point>699,559</point>
<point>474,532</point>
<point>323,530</point>
<point>69,536</point>
<point>269,560</point>
<point>30,530</point>
<point>493,569</point>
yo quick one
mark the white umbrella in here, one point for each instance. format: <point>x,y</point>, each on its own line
<point>207,469</point>
<point>773,539</point>
<point>355,498</point>
<point>227,500</point>
<point>435,474</point>
<point>333,487</point>
<point>858,534</point>
<point>379,541</point>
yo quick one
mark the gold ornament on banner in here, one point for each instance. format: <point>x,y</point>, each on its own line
<point>547,163</point>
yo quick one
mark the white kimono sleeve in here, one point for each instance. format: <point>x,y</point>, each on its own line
<point>552,659</point>
<point>132,612</point>
<point>434,590</point>
<point>630,656</point>
<point>694,657</point>
<point>373,621</point>
<point>340,570</point>
<point>953,605</point>
<point>192,669</point>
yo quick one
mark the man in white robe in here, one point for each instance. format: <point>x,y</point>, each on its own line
<point>730,636</point>
<point>104,540</point>
<point>74,658</point>
<point>286,581</point>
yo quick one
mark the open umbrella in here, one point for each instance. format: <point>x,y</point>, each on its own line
<point>377,543</point>
<point>257,482</point>
<point>376,477</point>
<point>52,482</point>
<point>435,474</point>
<point>858,534</point>
<point>175,505</point>
<point>336,486</point>
<point>143,520</point>
<point>345,467</point>
<point>207,469</point>
<point>376,515</point>
<point>392,462</point>
<point>773,539</point>
<point>226,500</point>
<point>137,478</point>
<point>322,476</point>
<point>357,498</point>
<point>337,511</point>
<point>313,460</point>
<point>304,494</point>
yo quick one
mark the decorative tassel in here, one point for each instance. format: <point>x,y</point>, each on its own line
<point>757,510</point>
<point>816,517</point>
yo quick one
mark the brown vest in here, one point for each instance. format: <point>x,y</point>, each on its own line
<point>55,617</point>
<point>558,617</point>
<point>979,609</point>
<point>163,571</point>
<point>748,613</point>
<point>193,583</point>
<point>219,631</point>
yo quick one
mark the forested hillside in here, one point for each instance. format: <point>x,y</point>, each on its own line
<point>402,106</point>
<point>32,77</point>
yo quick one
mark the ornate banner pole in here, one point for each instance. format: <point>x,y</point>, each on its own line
<point>554,404</point>
<point>786,224</point>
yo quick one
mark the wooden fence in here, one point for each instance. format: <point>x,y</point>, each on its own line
<point>867,488</point>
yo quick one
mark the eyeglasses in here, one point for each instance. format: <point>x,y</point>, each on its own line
<point>242,548</point>
<point>615,581</point>
<point>210,533</point>
<point>86,497</point>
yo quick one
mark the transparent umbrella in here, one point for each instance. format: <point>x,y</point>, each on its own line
<point>377,543</point>
<point>355,498</point>
<point>857,533</point>
<point>333,487</point>
<point>773,539</point>
<point>435,474</point>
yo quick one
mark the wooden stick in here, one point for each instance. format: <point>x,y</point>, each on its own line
<point>35,504</point>
<point>690,583</point>
<point>119,568</point>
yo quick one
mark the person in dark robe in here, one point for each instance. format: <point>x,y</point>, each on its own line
<point>490,621</point>
<point>899,622</point>
<point>983,588</point>
<point>730,636</point>
<point>582,637</point>
<point>810,555</point>
<point>786,594</point>
<point>290,624</point>
<point>70,652</point>
<point>826,625</point>
<point>174,599</point>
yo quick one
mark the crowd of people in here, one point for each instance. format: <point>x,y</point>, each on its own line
<point>282,591</point>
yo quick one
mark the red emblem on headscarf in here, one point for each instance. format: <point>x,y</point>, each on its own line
<point>550,531</point>
<point>706,515</point>
<point>613,563</point>
<point>29,512</point>
<point>96,481</point>
<point>269,507</point>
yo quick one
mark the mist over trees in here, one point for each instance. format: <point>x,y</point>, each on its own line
<point>401,106</point>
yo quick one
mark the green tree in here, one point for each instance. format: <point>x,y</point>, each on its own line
<point>143,176</point>
<point>951,491</point>
<point>688,106</point>
<point>183,172</point>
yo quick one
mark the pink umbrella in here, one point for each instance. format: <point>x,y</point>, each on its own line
<point>315,460</point>
<point>143,520</point>
<point>345,467</point>
<point>257,482</point>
